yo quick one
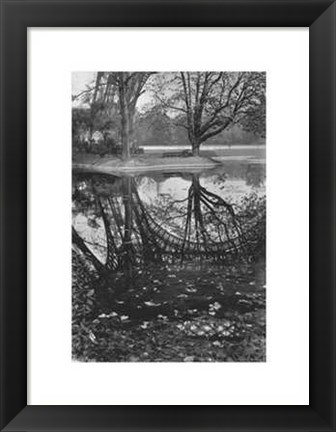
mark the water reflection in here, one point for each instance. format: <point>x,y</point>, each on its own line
<point>169,267</point>
<point>123,224</point>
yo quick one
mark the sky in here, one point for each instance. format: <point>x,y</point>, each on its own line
<point>80,80</point>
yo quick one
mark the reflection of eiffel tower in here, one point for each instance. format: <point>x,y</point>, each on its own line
<point>111,257</point>
<point>90,256</point>
<point>149,240</point>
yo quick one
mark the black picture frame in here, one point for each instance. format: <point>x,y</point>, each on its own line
<point>16,17</point>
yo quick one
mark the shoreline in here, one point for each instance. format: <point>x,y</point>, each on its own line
<point>139,164</point>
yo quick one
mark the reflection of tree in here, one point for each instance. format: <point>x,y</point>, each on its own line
<point>211,226</point>
<point>128,238</point>
<point>253,174</point>
<point>202,225</point>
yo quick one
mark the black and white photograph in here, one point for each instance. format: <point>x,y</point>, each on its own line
<point>169,216</point>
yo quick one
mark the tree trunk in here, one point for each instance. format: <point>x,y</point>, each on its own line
<point>196,151</point>
<point>132,143</point>
<point>195,144</point>
<point>124,118</point>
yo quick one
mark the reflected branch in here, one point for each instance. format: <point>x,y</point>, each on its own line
<point>201,226</point>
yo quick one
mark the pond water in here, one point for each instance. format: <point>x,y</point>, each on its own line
<point>165,230</point>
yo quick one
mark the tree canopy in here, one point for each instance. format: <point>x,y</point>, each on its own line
<point>179,107</point>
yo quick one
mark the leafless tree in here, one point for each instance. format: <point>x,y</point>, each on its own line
<point>206,103</point>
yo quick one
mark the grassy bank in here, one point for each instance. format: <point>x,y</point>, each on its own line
<point>146,163</point>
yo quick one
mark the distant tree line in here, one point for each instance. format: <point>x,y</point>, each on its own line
<point>177,108</point>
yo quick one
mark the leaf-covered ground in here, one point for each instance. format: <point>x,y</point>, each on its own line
<point>169,314</point>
